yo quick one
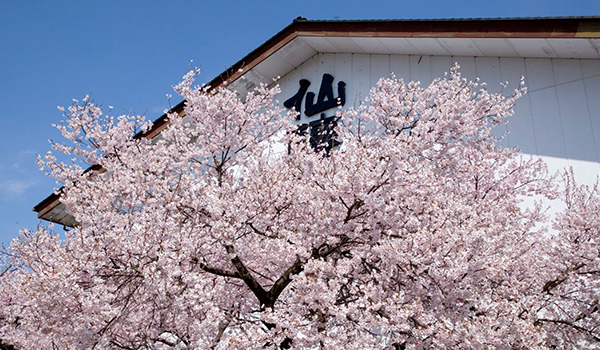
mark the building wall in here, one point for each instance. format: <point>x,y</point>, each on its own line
<point>558,119</point>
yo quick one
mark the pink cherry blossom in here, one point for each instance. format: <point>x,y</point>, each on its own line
<point>412,234</point>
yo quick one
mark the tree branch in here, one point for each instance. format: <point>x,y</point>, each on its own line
<point>284,280</point>
<point>4,346</point>
<point>259,232</point>
<point>250,281</point>
<point>268,299</point>
<point>561,278</point>
<point>570,324</point>
<point>219,272</point>
<point>324,250</point>
<point>355,206</point>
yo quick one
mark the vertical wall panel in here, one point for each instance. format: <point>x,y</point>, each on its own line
<point>539,73</point>
<point>590,70</point>
<point>467,66</point>
<point>572,104</point>
<point>511,71</point>
<point>420,69</point>
<point>565,70</point>
<point>521,125</point>
<point>544,104</point>
<point>310,71</point>
<point>289,84</point>
<point>343,66</point>
<point>487,69</point>
<point>571,97</point>
<point>343,72</point>
<point>326,64</point>
<point>400,66</point>
<point>559,117</point>
<point>440,65</point>
<point>380,68</point>
<point>548,132</point>
<point>361,78</point>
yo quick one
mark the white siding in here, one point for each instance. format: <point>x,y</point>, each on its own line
<point>559,118</point>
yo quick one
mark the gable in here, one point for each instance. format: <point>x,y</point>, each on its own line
<point>556,118</point>
<point>559,57</point>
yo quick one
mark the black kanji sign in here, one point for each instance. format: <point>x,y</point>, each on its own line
<point>321,132</point>
<point>325,98</point>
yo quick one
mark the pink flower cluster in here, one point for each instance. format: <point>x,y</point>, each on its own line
<point>228,232</point>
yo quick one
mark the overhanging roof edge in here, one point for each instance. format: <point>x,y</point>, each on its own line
<point>516,27</point>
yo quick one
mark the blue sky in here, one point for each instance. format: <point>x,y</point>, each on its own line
<point>128,54</point>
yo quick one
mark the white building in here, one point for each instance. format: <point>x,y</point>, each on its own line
<point>558,119</point>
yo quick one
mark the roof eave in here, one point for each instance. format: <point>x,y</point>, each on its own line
<point>544,27</point>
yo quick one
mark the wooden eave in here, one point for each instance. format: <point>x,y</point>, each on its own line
<point>524,28</point>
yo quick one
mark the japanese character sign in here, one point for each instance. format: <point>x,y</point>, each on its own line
<point>322,135</point>
<point>325,98</point>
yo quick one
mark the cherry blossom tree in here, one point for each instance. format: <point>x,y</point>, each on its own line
<point>228,231</point>
<point>569,304</point>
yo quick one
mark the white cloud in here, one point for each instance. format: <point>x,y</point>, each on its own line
<point>14,187</point>
<point>18,173</point>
